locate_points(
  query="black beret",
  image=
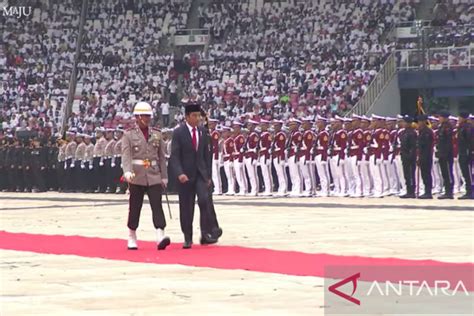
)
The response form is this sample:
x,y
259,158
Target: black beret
x,y
408,119
464,115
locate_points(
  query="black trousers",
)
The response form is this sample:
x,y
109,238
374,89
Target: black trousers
x,y
28,177
409,173
4,178
52,178
39,178
465,165
137,192
425,169
61,173
446,166
69,176
187,193
99,175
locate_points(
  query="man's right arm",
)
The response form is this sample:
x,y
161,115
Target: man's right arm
x,y
175,159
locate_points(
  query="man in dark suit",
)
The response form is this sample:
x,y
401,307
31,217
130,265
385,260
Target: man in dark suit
x,y
189,160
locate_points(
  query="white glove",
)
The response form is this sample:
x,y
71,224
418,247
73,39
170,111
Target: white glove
x,y
101,163
129,176
366,151
436,159
65,166
90,166
254,162
73,165
83,166
112,165
42,168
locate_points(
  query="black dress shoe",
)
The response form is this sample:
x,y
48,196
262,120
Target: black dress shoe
x,y
467,196
165,242
446,197
216,233
207,239
187,244
425,197
408,196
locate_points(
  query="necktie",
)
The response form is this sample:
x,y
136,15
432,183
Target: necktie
x,y
194,139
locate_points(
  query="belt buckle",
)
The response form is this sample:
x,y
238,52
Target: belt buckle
x,y
146,163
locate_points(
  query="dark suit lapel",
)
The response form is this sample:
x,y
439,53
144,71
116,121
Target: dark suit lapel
x,y
187,134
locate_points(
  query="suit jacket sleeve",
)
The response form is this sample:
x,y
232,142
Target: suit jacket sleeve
x,y
208,151
126,154
163,168
175,159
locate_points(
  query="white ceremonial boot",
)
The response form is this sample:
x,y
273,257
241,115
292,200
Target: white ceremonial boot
x,y
132,240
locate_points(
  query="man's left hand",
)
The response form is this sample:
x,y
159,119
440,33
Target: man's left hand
x,y
164,183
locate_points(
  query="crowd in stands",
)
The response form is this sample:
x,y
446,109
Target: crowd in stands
x,y
285,59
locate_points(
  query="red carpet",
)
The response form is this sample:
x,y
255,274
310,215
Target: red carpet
x,y
220,257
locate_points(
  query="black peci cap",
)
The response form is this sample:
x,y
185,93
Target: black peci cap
x,y
192,107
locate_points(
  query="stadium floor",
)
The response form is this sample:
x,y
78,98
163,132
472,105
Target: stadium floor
x,y
60,254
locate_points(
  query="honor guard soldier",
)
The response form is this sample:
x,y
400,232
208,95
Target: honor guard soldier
x,y
337,157
456,168
385,157
71,146
278,157
445,154
12,163
251,157
108,156
228,158
264,158
88,164
53,164
367,180
98,160
437,179
397,161
116,164
321,149
216,143
293,147
304,157
39,164
425,154
408,143
144,168
465,133
356,146
80,167
238,156
350,174
62,164
376,160
393,180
